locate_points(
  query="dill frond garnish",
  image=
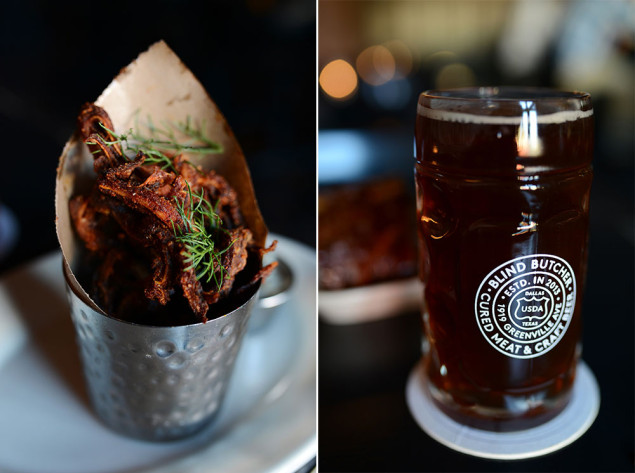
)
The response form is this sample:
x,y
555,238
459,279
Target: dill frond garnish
x,y
199,236
162,143
202,225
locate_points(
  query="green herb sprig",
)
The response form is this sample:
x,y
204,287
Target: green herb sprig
x,y
162,143
201,227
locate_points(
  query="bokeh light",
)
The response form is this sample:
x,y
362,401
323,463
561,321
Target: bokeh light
x,y
338,79
455,75
402,57
376,65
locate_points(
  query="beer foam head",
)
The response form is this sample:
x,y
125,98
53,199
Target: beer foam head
x,y
505,105
465,117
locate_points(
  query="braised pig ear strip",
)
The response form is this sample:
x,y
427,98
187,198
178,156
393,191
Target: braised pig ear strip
x,y
140,198
93,120
178,228
217,189
105,157
88,223
264,272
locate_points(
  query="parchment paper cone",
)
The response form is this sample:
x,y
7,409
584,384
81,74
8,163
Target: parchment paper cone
x,y
159,85
155,383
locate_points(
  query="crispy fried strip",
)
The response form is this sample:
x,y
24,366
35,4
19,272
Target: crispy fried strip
x,y
233,261
126,170
264,273
192,289
160,182
90,120
105,276
105,157
142,199
269,249
216,188
88,223
160,287
146,231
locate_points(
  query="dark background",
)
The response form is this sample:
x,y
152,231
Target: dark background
x,y
255,58
364,422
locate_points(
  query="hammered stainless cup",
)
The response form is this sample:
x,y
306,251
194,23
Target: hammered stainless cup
x,y
156,383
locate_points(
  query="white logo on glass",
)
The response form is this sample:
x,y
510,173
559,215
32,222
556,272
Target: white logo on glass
x,y
524,306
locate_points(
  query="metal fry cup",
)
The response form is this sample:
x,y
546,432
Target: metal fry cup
x,y
156,383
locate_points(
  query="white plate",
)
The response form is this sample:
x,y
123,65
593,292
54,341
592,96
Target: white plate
x,y
267,422
373,302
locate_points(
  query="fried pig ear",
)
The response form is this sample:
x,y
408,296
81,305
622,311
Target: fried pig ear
x,y
93,120
181,226
89,222
157,85
141,198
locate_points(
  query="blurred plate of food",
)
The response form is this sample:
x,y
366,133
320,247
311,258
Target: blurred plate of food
x,y
367,228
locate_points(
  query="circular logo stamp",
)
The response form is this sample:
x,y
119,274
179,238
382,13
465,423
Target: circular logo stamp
x,y
524,306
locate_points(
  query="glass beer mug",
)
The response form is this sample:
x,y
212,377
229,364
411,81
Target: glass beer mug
x,y
503,177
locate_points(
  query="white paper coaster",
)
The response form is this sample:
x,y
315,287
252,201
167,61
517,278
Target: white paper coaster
x,y
558,432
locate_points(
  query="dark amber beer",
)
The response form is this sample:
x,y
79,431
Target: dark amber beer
x,y
503,177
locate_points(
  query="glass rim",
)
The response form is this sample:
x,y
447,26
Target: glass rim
x,y
505,94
